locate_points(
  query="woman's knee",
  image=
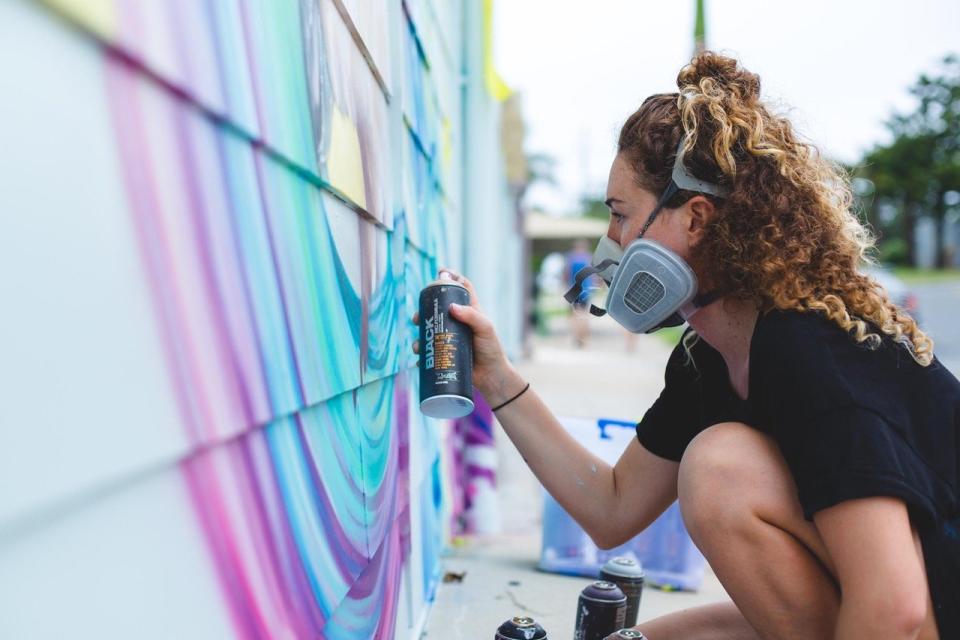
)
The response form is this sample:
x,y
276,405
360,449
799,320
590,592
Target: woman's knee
x,y
721,479
734,485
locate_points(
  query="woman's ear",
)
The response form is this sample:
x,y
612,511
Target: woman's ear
x,y
701,212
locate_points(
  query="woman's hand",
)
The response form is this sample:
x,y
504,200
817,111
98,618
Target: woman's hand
x,y
490,365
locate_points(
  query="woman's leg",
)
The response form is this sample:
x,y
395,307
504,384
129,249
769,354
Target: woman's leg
x,y
739,504
721,621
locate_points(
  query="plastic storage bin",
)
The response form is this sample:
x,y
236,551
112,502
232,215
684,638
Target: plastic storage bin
x,y
668,555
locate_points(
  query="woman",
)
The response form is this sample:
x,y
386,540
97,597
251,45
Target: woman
x,y
805,425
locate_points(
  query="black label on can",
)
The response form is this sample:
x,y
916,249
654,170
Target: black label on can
x,y
601,610
633,589
446,381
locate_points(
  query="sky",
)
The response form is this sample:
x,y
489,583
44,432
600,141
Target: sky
x,y
839,69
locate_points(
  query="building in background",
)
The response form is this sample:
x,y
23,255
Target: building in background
x,y
215,219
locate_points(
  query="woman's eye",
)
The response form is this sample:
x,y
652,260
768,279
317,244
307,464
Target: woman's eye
x,y
616,217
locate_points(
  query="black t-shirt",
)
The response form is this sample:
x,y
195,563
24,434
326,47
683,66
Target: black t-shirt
x,y
851,422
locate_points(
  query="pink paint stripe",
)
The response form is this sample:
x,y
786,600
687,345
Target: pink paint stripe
x,y
305,618
292,569
247,617
249,620
142,199
231,381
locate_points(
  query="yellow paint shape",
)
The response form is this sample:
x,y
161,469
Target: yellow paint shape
x,y
97,16
496,87
345,161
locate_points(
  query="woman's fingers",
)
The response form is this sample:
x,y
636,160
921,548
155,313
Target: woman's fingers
x,y
474,301
472,317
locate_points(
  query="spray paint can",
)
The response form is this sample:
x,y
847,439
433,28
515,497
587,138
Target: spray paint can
x,y
446,354
627,574
600,611
520,628
626,634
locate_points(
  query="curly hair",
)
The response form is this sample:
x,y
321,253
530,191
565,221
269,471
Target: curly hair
x,y
785,236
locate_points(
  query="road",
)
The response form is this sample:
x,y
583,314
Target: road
x,y
940,318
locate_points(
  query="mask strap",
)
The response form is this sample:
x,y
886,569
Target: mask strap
x,y
699,302
597,311
668,193
703,299
573,294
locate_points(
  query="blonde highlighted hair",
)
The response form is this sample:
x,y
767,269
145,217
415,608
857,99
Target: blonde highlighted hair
x,y
785,236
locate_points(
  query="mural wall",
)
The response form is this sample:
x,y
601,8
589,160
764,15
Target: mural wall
x,y
215,219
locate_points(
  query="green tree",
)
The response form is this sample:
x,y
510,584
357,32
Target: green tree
x,y
901,176
916,173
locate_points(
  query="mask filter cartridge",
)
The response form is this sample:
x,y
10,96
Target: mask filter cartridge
x,y
650,285
643,292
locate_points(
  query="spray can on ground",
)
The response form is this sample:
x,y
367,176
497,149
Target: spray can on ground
x,y
520,628
600,611
627,574
626,634
446,351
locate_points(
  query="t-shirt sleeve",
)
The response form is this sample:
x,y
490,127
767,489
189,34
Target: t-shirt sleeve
x,y
819,391
671,422
852,452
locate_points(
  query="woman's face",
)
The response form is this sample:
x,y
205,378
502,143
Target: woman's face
x,y
630,205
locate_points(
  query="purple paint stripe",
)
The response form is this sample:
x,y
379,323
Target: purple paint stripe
x,y
474,437
258,519
254,76
225,351
186,58
259,159
390,594
355,560
401,400
291,566
247,289
474,472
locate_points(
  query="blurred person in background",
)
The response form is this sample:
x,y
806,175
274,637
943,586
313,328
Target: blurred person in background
x,y
579,258
805,424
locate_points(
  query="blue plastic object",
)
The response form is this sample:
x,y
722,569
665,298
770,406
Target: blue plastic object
x,y
668,555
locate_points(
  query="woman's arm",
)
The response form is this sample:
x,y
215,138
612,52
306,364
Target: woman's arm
x,y
612,504
879,566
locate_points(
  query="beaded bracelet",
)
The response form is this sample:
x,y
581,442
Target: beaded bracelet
x,y
502,405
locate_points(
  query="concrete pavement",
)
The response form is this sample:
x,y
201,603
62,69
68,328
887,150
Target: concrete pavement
x,y
606,378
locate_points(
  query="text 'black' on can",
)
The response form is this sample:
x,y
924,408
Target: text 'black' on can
x,y
601,610
520,628
446,351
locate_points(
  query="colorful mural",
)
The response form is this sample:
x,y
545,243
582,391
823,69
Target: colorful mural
x,y
216,218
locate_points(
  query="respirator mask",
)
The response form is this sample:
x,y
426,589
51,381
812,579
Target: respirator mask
x,y
650,286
